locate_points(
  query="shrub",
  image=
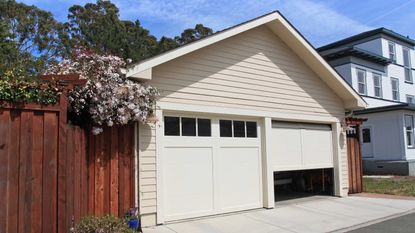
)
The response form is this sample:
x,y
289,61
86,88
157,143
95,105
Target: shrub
x,y
29,91
105,224
109,97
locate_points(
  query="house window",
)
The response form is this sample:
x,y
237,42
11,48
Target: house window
x,y
395,89
366,135
407,65
238,129
377,85
392,51
409,130
410,99
186,126
361,81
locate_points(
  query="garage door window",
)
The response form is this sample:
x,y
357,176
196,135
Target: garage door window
x,y
251,131
190,127
204,128
238,129
172,126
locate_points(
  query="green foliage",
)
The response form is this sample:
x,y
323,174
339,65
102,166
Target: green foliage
x,y
30,38
193,34
105,224
98,27
29,91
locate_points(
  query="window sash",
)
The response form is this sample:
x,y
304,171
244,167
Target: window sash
x,y
361,81
395,88
377,85
392,51
409,130
410,99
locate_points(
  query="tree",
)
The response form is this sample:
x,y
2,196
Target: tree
x,y
193,34
166,44
30,37
97,26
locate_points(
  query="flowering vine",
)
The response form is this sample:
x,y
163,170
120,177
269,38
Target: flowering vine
x,y
108,97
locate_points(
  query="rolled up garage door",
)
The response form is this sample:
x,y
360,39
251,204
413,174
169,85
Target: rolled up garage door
x,y
299,146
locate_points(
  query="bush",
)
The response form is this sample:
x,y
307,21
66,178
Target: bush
x,y
105,224
29,91
108,97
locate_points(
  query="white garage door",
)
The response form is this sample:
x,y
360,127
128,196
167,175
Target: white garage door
x,y
210,166
299,146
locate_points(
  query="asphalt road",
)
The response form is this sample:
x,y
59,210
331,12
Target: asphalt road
x,y
403,224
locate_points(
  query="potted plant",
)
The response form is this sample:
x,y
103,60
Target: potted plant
x,y
132,219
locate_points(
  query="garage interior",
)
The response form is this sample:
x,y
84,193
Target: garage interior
x,y
289,185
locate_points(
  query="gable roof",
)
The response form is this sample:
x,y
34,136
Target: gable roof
x,y
286,32
367,34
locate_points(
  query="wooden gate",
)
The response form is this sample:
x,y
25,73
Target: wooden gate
x,y
354,155
53,173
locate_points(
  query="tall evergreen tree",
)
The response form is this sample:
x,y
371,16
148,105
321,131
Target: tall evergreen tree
x,y
29,38
97,26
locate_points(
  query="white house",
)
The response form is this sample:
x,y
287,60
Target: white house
x,y
380,65
235,108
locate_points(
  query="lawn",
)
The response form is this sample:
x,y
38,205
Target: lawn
x,y
397,185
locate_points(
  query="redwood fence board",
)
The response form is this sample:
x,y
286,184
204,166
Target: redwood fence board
x,y
53,173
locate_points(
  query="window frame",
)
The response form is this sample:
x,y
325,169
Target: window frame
x,y
364,79
408,66
245,128
411,131
180,125
397,89
376,75
393,52
370,134
410,97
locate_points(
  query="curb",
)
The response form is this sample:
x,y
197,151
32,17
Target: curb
x,y
371,222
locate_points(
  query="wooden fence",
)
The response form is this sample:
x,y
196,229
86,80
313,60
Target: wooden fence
x,y
354,156
52,173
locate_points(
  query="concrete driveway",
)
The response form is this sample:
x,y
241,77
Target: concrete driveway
x,y
316,214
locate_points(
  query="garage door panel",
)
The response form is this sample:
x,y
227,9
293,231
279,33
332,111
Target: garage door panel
x,y
188,181
317,149
286,153
298,146
239,181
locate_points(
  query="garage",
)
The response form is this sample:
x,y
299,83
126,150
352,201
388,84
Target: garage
x,y
211,165
302,160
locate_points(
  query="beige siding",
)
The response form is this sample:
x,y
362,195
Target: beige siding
x,y
254,70
147,168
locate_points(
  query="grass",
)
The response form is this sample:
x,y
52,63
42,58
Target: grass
x,y
398,185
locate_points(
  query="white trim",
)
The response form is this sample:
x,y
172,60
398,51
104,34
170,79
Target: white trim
x,y
159,162
136,176
248,113
277,23
267,172
339,139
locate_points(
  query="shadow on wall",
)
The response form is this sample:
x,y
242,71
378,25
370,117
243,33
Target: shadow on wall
x,y
145,134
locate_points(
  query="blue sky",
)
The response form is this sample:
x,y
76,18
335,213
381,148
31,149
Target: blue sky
x,y
320,21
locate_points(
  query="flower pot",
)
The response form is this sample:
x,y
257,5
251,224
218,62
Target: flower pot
x,y
134,224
